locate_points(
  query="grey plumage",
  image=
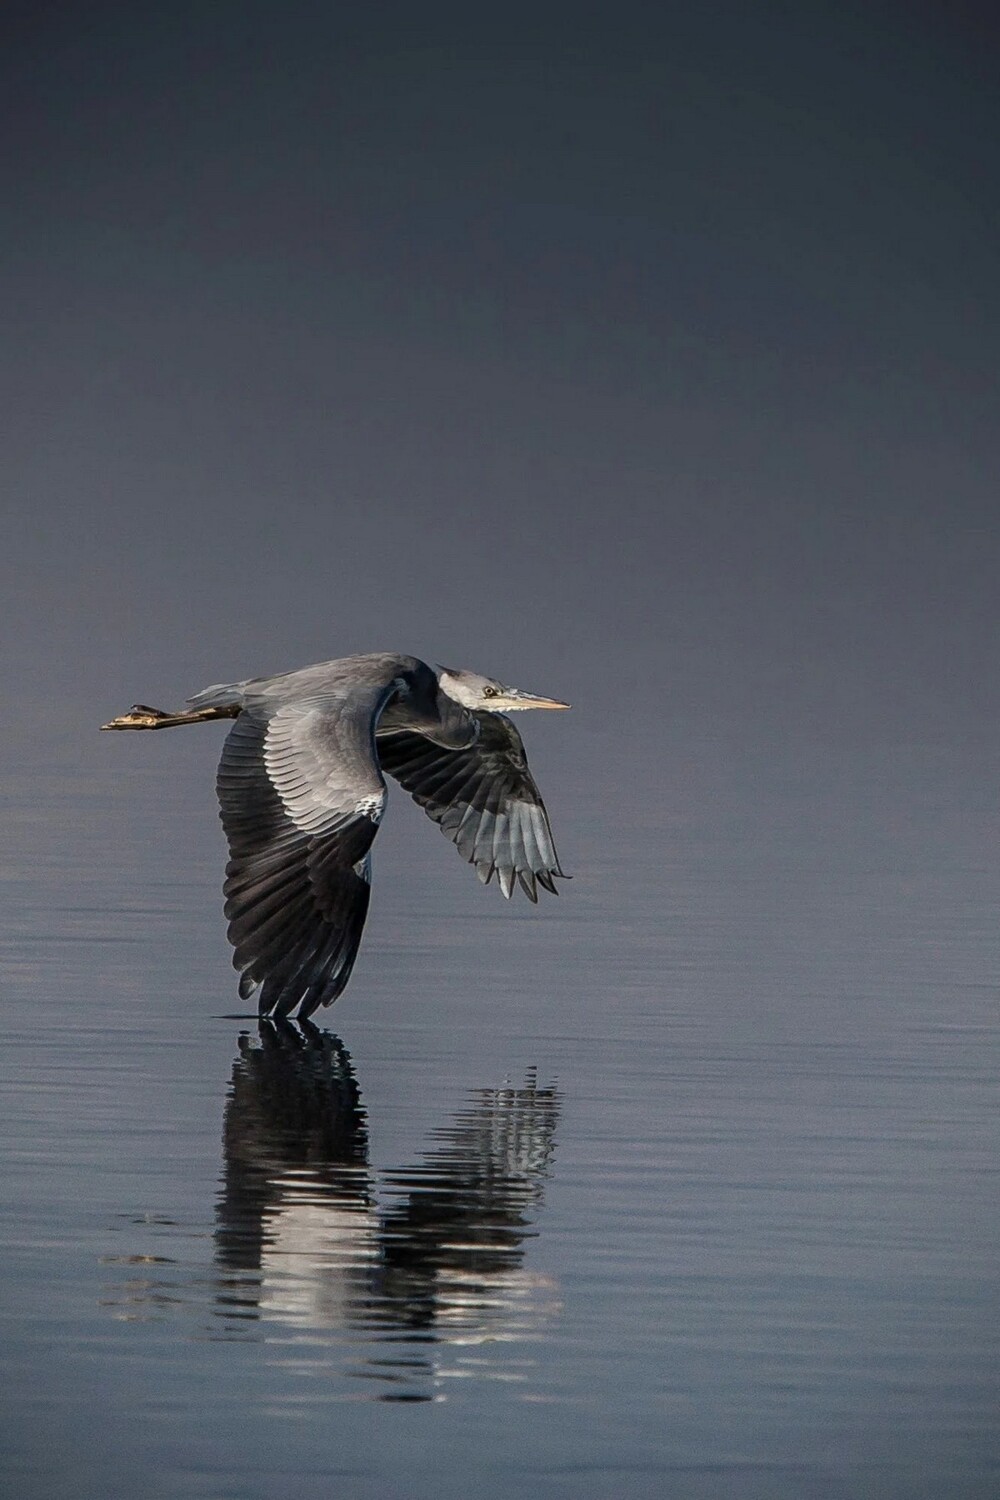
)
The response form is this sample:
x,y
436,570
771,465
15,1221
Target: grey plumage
x,y
484,799
302,791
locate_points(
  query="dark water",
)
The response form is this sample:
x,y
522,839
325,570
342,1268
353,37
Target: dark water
x,y
683,1185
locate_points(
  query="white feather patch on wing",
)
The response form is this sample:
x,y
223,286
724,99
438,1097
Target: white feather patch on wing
x,y
319,771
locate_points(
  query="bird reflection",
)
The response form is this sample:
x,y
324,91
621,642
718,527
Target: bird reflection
x,y
434,1254
296,1183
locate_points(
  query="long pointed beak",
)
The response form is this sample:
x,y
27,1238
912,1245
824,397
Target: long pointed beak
x,y
528,700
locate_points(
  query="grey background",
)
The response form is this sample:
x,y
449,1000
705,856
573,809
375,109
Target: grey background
x,y
647,351
641,356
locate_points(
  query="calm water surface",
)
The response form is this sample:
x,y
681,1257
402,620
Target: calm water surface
x,y
682,1185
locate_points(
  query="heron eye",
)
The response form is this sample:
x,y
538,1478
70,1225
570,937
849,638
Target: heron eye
x,y
490,692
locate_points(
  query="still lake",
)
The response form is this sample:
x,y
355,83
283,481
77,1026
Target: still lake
x,y
681,1185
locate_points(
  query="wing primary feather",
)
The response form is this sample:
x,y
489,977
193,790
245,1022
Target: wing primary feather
x,y
484,800
291,783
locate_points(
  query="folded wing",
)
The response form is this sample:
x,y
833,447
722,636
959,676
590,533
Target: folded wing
x,y
484,799
301,798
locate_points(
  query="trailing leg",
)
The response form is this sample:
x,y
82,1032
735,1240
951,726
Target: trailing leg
x,y
141,716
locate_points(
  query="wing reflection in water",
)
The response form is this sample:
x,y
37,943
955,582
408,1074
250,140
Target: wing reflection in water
x,y
297,1192
434,1256
452,1238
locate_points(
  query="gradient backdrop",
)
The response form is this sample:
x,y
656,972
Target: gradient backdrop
x,y
647,354
641,355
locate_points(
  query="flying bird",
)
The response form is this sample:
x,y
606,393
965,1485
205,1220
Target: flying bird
x,y
301,787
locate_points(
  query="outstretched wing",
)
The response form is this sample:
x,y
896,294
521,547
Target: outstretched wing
x,y
301,798
485,800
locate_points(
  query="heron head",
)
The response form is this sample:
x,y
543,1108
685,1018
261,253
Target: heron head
x,y
479,693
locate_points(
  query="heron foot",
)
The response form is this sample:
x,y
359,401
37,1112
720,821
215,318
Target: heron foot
x,y
141,716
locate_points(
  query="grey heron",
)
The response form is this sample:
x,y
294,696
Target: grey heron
x,y
302,791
